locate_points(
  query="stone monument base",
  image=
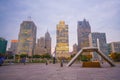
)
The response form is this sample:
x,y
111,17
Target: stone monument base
x,y
94,64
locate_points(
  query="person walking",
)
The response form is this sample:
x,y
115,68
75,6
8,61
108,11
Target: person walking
x,y
24,60
46,62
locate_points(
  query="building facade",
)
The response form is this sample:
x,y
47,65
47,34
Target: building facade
x,y
48,42
27,38
114,47
40,47
62,43
43,45
3,45
98,40
83,30
13,46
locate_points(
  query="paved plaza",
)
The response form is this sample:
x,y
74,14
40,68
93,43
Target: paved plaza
x,y
39,71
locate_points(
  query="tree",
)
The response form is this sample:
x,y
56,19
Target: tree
x,y
36,56
48,56
23,55
115,56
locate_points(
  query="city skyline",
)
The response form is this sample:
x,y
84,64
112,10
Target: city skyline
x,y
103,16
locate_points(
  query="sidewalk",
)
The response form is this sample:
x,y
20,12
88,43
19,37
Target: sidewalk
x,y
38,71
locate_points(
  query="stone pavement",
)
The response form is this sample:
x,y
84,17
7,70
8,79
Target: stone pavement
x,y
38,71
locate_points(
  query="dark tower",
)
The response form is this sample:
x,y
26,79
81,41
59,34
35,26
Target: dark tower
x,y
83,30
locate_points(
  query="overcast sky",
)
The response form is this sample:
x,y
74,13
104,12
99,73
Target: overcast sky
x,y
103,16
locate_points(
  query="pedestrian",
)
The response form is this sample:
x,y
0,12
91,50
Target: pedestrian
x,y
61,63
46,62
53,60
24,60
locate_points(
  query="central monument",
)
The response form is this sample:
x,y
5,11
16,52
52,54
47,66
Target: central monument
x,y
62,43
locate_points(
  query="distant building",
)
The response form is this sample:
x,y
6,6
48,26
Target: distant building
x,y
114,47
48,42
40,47
3,45
27,38
43,45
75,49
83,30
98,40
13,46
62,43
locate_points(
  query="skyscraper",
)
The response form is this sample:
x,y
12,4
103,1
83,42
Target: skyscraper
x,y
13,47
48,42
62,45
98,40
40,47
3,45
43,45
83,30
27,38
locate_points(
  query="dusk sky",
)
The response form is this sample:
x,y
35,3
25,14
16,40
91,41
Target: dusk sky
x,y
103,16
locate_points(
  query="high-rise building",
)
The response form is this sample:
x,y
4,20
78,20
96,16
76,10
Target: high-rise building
x,y
62,43
98,40
43,45
40,47
83,30
48,42
75,49
3,45
114,47
27,38
13,46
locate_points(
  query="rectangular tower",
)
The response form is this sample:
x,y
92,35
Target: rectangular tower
x,y
48,42
83,30
62,46
3,45
27,38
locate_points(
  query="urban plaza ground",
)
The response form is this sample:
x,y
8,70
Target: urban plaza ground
x,y
41,71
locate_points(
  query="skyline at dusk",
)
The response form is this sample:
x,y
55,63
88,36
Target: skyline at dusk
x,y
103,16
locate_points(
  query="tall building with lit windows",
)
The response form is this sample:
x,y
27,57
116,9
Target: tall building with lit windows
x,y
83,30
27,38
62,43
